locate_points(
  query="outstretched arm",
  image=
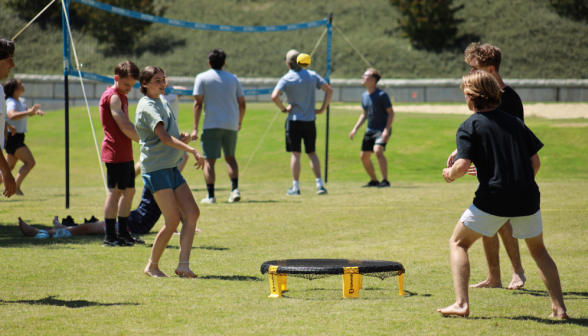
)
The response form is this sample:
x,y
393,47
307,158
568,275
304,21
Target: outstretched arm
x,y
328,94
123,122
13,115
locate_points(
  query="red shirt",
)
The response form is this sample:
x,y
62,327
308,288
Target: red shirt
x,y
116,147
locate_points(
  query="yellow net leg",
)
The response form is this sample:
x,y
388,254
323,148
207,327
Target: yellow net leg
x,y
283,281
275,286
351,285
360,281
401,284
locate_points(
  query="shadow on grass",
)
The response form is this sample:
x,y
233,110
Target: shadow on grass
x,y
205,247
14,200
409,294
53,301
543,293
215,189
230,278
582,322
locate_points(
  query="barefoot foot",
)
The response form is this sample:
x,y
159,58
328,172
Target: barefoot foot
x,y
19,192
456,310
183,271
559,315
27,230
518,281
153,271
488,284
57,224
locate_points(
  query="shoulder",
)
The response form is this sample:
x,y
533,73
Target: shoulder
x,y
382,93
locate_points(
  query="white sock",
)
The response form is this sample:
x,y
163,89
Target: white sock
x,y
319,183
296,185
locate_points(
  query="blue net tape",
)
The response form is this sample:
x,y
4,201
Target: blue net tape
x,y
201,26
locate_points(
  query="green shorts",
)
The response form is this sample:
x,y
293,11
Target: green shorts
x,y
213,139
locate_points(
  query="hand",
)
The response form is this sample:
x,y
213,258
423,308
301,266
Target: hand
x,y
318,111
385,135
195,135
239,127
446,172
12,129
451,158
185,137
289,108
199,160
352,134
41,113
472,171
34,109
9,185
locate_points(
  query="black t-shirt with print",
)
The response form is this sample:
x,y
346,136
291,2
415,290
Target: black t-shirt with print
x,y
501,146
511,103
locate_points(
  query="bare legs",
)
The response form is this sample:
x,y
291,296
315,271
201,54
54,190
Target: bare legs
x,y
382,163
118,202
171,203
463,238
209,169
491,250
86,229
315,165
24,154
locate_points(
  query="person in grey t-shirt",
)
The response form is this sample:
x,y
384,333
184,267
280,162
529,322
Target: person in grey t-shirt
x,y
222,96
300,86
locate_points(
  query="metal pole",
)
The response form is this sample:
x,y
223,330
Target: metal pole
x,y
66,69
328,79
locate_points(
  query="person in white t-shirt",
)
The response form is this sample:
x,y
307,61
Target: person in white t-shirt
x,y
18,113
6,63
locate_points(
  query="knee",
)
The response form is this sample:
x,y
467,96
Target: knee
x,y
379,154
32,163
365,156
538,252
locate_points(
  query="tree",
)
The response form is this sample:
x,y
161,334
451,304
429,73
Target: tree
x,y
116,34
574,9
429,24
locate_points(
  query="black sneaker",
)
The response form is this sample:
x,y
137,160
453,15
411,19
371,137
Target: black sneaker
x,y
371,184
114,242
68,221
91,220
128,239
384,184
138,240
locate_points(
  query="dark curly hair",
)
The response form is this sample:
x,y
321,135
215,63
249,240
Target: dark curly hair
x,y
217,57
486,54
482,89
6,48
9,87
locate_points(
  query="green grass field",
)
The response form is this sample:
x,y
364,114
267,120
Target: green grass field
x,y
75,286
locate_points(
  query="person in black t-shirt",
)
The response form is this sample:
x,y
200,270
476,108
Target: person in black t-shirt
x,y
487,58
504,151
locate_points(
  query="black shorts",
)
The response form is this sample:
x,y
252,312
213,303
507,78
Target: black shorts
x,y
14,142
121,175
372,138
296,131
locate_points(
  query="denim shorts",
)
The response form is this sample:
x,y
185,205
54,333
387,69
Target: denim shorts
x,y
169,178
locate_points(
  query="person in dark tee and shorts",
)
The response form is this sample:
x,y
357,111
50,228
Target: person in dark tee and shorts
x,y
117,153
487,58
300,86
504,152
377,109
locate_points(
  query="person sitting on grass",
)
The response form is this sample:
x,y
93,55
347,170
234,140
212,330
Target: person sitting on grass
x,y
377,109
161,153
18,114
504,151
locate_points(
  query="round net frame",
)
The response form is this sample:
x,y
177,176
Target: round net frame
x,y
312,269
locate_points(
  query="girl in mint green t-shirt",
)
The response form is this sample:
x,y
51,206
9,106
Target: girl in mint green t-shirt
x,y
161,153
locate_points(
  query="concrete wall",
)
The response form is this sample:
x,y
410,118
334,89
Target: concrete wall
x,y
48,90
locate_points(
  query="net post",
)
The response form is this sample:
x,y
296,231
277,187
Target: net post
x,y
351,282
275,282
401,284
328,79
66,70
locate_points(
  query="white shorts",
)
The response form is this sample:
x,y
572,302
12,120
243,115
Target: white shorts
x,y
486,224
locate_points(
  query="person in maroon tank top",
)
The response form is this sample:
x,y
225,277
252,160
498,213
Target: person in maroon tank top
x,y
117,153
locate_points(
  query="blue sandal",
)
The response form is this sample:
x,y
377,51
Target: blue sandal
x,y
62,233
42,234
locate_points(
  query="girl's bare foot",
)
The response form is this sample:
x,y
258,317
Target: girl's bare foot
x,y
559,315
488,283
152,270
19,192
518,281
27,230
456,310
57,224
183,270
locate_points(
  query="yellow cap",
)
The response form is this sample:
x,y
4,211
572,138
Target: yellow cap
x,y
303,60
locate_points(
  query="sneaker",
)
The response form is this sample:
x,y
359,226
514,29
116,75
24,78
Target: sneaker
x,y
114,242
384,184
208,200
91,220
136,240
129,240
68,221
321,191
235,196
371,184
293,192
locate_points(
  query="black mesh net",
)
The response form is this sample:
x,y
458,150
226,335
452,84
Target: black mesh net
x,y
312,269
